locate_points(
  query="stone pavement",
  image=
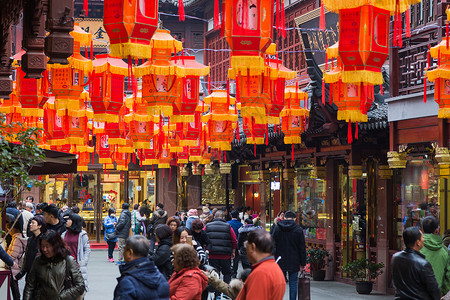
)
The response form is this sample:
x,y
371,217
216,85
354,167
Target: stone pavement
x,y
103,274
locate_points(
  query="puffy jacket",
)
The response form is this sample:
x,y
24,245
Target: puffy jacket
x,y
243,237
218,232
202,239
159,217
46,280
83,253
140,279
124,224
17,251
161,257
437,254
290,245
5,257
108,222
413,277
235,224
31,252
187,284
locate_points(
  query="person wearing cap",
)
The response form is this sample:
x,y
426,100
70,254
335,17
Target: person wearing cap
x,y
52,219
290,247
192,215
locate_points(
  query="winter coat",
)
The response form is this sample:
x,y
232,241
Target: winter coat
x,y
124,224
83,253
437,254
202,239
27,216
290,245
5,257
200,254
108,222
235,224
59,228
412,276
161,257
189,221
231,290
243,237
266,282
140,279
136,218
187,284
219,234
32,250
17,250
46,280
159,217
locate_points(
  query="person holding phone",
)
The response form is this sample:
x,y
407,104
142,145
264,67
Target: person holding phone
x,y
182,236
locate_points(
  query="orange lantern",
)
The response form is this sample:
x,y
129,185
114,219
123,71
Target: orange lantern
x,y
221,120
103,150
130,24
141,126
12,110
190,133
255,132
84,158
54,125
160,73
121,160
76,122
107,87
293,115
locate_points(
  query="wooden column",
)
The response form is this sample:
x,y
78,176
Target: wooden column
x,y
263,176
166,189
98,206
126,185
194,191
330,204
385,224
70,190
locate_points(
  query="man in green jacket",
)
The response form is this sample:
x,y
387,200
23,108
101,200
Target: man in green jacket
x,y
436,253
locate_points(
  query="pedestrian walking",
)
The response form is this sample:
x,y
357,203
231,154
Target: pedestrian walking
x,y
192,215
223,245
235,224
436,253
30,199
188,281
162,254
243,236
55,274
110,222
77,241
137,220
139,278
52,219
173,223
159,217
123,230
37,228
412,274
181,235
199,234
26,215
205,213
266,281
16,251
290,246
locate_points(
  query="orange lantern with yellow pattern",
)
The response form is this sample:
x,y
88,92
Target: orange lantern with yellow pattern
x,y
293,115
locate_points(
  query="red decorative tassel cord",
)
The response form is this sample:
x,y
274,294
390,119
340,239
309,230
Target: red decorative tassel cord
x,y
322,17
209,84
92,50
85,7
216,15
254,149
277,16
323,92
408,23
447,38
349,133
181,15
356,131
381,90
292,152
203,171
283,20
267,134
330,94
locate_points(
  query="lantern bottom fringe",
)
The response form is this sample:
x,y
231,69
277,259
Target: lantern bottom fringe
x,y
105,160
356,77
182,118
142,145
219,99
221,145
165,44
170,70
84,65
149,162
195,158
257,141
82,168
57,142
351,116
10,109
121,168
74,140
106,118
32,112
175,149
336,5
78,113
246,66
300,112
183,161
189,143
438,73
109,166
111,68
98,130
117,141
83,38
134,50
440,48
137,117
274,74
126,149
205,161
166,111
333,51
292,140
163,165
257,112
273,120
220,117
444,113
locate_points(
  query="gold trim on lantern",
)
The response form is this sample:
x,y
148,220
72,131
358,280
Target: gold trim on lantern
x,y
432,75
32,112
351,116
253,140
336,5
292,140
131,49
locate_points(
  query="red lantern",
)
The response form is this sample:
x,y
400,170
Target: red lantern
x,y
76,122
103,149
130,24
84,158
141,126
254,132
54,125
293,115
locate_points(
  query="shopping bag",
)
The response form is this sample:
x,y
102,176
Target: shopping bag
x,y
304,285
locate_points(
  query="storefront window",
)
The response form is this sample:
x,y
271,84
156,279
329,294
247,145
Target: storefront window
x,y
416,196
311,194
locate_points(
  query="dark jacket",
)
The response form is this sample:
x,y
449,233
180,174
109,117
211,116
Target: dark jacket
x,y
159,217
290,245
140,279
413,277
5,257
235,224
30,254
59,228
202,239
124,224
243,237
46,280
218,232
161,257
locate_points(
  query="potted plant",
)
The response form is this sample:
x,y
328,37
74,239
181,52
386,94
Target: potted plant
x,y
363,272
316,259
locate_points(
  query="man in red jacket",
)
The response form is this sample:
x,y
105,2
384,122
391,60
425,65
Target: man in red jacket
x,y
266,281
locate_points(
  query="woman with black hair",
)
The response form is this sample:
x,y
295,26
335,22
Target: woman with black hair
x,y
110,222
37,228
16,250
162,254
55,274
77,241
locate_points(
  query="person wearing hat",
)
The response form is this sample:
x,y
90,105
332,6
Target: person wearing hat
x,y
192,215
162,254
290,247
205,213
